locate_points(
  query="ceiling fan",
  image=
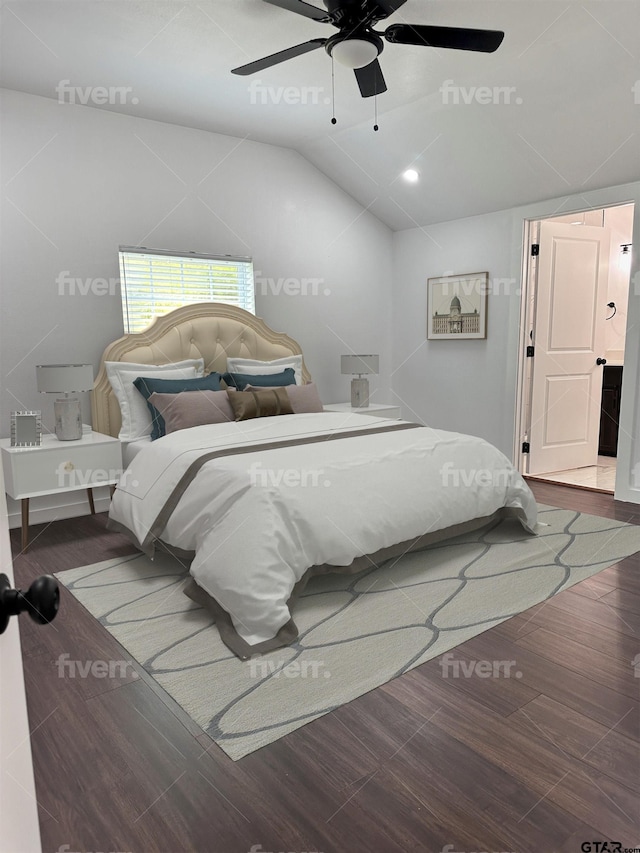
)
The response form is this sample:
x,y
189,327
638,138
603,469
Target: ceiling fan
x,y
357,45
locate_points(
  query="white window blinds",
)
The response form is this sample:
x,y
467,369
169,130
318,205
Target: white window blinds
x,y
156,282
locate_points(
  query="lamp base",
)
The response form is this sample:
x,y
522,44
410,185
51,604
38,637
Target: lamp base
x,y
68,419
359,393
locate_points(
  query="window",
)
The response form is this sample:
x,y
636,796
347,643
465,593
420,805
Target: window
x,y
155,282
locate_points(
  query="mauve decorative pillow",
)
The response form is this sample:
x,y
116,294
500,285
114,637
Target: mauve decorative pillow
x,y
304,398
148,386
192,408
262,403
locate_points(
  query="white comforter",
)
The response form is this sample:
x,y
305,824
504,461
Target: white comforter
x,y
258,521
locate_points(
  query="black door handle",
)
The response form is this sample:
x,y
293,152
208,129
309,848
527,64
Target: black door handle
x,y
601,360
41,600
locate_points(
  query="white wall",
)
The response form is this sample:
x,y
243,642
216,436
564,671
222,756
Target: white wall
x,y
79,182
457,385
470,386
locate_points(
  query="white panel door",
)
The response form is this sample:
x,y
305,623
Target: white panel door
x,y
19,829
569,337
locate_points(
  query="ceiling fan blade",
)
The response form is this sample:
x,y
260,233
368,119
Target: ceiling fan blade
x,y
281,56
485,41
301,8
390,6
370,80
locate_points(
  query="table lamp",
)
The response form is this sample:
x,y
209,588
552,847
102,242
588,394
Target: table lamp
x,y
359,364
65,379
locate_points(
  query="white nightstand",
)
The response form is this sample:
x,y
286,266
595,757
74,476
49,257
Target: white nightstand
x,y
376,410
59,466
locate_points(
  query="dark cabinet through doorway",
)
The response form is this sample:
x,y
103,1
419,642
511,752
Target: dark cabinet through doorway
x,y
610,410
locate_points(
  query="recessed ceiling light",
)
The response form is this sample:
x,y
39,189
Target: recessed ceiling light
x,y
411,175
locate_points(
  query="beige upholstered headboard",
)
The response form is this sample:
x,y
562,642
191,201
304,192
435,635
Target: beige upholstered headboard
x,y
209,330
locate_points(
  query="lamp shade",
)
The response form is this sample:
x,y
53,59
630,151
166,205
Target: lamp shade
x,y
359,364
64,378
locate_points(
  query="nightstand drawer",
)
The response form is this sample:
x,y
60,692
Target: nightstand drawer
x,y
63,467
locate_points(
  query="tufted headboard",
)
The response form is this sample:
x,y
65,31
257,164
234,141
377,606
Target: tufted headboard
x,y
209,330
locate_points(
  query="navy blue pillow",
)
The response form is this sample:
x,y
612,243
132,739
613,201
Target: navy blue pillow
x,y
268,380
149,385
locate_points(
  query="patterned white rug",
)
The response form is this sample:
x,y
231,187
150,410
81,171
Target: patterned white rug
x,y
356,632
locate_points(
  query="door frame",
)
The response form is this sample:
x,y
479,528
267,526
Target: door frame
x,y
524,387
19,822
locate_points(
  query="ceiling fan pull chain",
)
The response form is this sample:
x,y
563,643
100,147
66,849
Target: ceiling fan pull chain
x,y
375,102
334,120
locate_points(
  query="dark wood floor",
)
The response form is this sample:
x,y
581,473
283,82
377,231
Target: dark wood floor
x,y
540,763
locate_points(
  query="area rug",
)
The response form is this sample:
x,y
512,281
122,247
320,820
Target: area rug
x,y
356,632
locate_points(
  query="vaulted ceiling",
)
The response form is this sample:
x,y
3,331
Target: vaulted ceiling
x,y
556,110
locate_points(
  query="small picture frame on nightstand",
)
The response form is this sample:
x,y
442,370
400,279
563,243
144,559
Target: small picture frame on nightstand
x,y
26,429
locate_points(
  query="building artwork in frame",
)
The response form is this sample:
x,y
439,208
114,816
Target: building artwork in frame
x,y
457,306
26,429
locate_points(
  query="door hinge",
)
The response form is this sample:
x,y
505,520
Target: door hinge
x,y
530,351
535,250
525,447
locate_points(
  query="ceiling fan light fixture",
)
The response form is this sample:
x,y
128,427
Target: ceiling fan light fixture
x,y
355,52
412,176
357,45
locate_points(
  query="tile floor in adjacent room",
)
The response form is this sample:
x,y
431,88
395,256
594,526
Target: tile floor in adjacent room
x,y
601,476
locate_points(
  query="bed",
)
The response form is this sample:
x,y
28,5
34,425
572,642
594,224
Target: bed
x,y
260,505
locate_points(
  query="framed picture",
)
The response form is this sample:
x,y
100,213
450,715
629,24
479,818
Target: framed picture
x,y
26,429
457,306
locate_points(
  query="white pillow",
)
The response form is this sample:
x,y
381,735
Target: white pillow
x,y
264,368
136,417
